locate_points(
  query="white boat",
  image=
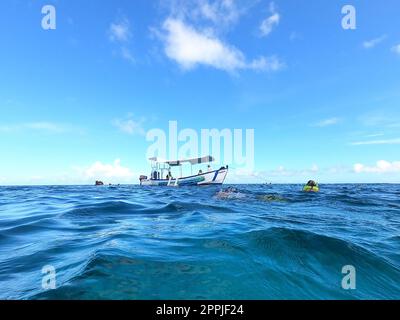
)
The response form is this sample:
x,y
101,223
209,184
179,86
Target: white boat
x,y
161,173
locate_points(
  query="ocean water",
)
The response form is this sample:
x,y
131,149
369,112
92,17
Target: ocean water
x,y
252,242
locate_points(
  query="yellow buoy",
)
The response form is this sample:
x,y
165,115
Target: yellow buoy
x,y
311,188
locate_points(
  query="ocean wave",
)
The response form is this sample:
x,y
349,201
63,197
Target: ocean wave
x,y
297,258
185,243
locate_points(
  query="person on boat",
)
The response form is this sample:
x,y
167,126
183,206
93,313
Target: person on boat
x,y
209,169
200,171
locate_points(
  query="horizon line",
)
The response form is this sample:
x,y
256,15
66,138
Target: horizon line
x,y
137,184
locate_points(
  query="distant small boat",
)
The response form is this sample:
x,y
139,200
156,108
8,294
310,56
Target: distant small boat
x,y
161,173
99,183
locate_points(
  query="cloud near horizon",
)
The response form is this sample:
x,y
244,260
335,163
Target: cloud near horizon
x,y
376,142
382,166
240,175
109,172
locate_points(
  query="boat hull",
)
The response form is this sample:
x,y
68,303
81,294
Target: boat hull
x,y
215,177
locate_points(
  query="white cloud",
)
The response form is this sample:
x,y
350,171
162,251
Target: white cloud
x,y
240,175
282,171
380,119
381,166
372,142
374,135
271,63
220,14
46,126
130,125
190,47
109,172
327,122
270,22
120,31
220,11
396,49
373,42
127,55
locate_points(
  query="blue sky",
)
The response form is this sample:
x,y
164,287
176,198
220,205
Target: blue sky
x,y
76,102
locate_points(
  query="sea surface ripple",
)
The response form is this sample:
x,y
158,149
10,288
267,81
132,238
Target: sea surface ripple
x,y
247,242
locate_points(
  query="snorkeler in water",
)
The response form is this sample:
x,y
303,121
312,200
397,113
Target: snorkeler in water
x,y
311,186
311,183
230,193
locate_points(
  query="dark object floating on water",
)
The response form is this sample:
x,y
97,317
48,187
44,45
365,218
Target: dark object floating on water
x,y
271,198
113,186
99,183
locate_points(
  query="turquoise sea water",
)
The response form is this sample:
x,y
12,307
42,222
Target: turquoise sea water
x,y
253,242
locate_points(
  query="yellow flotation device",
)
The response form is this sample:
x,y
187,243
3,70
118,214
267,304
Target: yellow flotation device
x,y
311,188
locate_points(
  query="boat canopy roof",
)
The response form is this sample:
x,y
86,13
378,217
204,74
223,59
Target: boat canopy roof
x,y
192,161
